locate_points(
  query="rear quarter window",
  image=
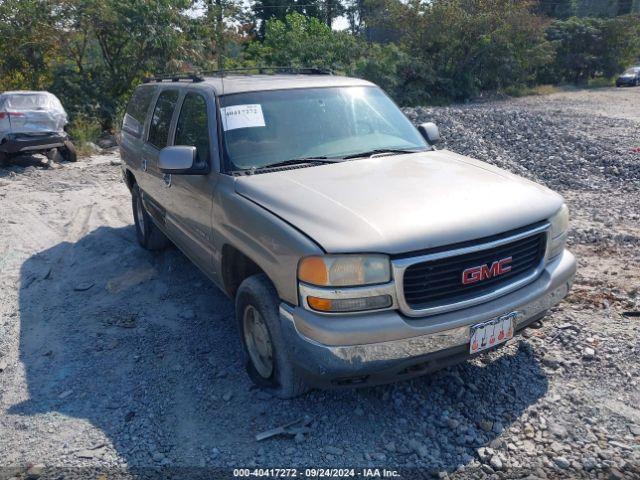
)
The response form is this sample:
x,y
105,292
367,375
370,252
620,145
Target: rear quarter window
x,y
137,109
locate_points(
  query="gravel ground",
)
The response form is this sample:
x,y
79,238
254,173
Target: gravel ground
x,y
116,360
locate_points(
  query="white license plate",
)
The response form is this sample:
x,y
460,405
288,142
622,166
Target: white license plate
x,y
494,332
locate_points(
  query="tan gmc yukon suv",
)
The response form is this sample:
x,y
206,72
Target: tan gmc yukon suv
x,y
356,251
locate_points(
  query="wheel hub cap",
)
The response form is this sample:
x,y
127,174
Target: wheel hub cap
x,y
258,341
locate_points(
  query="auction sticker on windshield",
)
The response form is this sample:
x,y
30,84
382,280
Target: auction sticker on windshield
x,y
242,116
494,332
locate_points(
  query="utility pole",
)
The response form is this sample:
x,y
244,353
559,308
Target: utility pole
x,y
329,13
220,34
215,13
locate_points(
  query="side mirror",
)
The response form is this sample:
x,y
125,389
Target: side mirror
x,y
177,159
430,132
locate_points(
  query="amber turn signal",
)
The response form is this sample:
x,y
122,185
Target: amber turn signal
x,y
320,304
313,270
342,305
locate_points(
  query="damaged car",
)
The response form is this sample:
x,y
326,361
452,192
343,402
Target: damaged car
x,y
357,252
33,122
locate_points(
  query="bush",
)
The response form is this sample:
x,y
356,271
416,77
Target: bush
x,y
83,131
587,48
301,41
460,48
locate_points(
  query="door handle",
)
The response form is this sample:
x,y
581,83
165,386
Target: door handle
x,y
167,179
145,164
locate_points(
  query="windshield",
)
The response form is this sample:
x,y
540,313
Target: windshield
x,y
267,127
631,71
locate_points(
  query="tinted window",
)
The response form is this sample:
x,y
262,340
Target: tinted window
x,y
193,127
161,119
137,108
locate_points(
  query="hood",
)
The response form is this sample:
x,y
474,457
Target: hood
x,y
400,203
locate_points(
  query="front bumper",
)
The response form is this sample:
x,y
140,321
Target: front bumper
x,y
29,142
386,346
625,81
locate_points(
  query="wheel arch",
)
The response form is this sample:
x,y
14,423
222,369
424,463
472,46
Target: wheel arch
x,y
235,268
129,179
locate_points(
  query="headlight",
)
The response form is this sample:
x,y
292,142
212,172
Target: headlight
x,y
558,234
344,270
346,283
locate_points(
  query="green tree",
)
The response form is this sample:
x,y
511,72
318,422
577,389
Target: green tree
x,y
26,44
556,8
266,10
460,48
301,41
220,32
111,45
590,47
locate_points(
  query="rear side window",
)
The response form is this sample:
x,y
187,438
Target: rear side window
x,y
133,121
161,119
193,127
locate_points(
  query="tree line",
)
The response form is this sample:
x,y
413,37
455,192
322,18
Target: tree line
x,y
92,53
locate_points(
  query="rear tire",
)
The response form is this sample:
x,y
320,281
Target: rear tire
x,y
68,152
268,367
149,235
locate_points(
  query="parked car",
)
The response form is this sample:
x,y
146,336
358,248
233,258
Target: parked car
x,y
630,77
33,122
357,253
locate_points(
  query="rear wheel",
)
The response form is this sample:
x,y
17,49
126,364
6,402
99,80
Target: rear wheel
x,y
68,152
148,234
263,344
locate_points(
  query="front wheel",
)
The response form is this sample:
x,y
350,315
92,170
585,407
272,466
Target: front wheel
x,y
149,235
263,344
68,152
4,159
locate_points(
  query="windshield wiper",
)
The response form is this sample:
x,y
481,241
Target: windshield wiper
x,y
295,161
375,151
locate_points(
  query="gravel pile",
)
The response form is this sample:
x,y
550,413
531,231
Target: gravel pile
x,y
552,147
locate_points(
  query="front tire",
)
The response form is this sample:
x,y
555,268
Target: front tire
x,y
68,152
263,344
4,159
149,235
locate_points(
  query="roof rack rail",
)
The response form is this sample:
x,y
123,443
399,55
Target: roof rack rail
x,y
174,77
263,70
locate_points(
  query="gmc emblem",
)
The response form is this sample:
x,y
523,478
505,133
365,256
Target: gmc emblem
x,y
483,272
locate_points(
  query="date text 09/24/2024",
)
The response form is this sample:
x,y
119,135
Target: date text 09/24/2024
x,y
316,472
